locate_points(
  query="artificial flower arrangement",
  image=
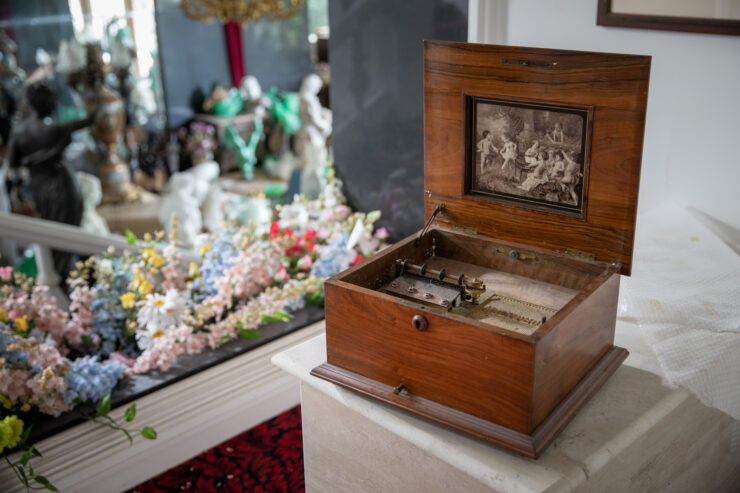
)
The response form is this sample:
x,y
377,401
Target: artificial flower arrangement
x,y
199,140
138,312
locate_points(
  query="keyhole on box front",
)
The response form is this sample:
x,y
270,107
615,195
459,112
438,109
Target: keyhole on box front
x,y
419,323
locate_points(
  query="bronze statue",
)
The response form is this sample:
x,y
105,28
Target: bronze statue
x,y
109,127
37,144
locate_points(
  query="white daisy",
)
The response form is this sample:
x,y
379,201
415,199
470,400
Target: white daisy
x,y
145,337
159,312
293,215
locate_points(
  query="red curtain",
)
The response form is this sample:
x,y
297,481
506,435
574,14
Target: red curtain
x,y
236,53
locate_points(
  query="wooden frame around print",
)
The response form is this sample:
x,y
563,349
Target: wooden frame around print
x,y
530,129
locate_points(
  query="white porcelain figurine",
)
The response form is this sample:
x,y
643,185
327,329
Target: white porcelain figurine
x,y
196,199
92,194
208,193
179,200
316,125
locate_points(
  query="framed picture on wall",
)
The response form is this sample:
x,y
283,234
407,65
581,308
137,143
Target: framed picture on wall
x,y
705,16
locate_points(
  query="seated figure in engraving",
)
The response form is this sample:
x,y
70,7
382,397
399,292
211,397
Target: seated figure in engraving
x,y
571,177
539,175
557,169
531,156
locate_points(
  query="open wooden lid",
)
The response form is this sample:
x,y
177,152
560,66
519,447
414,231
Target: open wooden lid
x,y
576,190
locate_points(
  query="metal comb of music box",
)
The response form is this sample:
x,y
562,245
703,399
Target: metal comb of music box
x,y
497,319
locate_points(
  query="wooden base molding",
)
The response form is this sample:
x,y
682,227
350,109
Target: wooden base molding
x,y
521,443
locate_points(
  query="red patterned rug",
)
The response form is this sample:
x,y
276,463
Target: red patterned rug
x,y
266,459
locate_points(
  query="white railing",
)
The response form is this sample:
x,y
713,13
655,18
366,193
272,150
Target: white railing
x,y
65,237
45,235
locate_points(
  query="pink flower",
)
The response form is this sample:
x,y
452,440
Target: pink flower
x,y
54,406
182,332
6,272
122,358
173,274
282,274
305,262
381,233
13,383
144,362
194,345
44,355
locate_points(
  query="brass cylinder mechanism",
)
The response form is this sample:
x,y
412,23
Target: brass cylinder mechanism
x,y
436,286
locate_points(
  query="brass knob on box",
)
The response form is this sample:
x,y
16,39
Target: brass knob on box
x,y
419,323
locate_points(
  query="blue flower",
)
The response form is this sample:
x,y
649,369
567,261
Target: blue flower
x,y
108,316
334,258
215,262
108,320
89,380
12,358
296,304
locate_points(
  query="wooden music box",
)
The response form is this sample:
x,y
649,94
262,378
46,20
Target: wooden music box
x,y
497,319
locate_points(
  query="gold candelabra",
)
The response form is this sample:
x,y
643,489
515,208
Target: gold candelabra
x,y
240,11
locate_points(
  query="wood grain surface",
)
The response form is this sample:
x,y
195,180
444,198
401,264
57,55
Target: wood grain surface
x,y
479,372
582,332
514,379
614,86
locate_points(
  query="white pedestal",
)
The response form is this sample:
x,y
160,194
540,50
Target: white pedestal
x,y
635,435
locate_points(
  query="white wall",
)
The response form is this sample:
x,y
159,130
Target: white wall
x,y
692,137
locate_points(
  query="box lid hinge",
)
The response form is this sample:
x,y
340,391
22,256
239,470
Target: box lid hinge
x,y
580,255
464,229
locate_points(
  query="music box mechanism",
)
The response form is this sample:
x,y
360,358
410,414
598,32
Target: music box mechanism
x,y
441,283
435,286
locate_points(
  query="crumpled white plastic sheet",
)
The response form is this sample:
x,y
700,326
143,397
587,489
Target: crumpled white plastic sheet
x,y
684,294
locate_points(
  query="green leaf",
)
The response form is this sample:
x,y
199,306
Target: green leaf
x,y
22,473
130,237
277,317
239,325
30,471
149,433
316,298
45,483
35,452
87,341
223,340
26,456
24,436
372,217
103,405
130,413
249,334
